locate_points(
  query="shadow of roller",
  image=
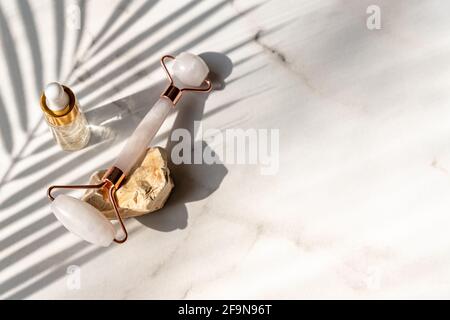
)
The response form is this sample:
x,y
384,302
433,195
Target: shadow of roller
x,y
193,182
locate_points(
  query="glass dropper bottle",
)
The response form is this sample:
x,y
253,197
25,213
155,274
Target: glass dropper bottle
x,y
64,117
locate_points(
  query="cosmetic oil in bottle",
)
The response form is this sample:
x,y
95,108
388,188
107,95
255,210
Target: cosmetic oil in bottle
x,y
63,115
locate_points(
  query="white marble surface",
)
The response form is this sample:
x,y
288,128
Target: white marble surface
x,y
359,207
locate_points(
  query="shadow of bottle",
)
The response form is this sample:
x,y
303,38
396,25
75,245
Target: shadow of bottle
x,y
115,121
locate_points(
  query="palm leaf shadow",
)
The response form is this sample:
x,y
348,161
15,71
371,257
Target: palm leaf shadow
x,y
64,255
155,47
5,127
13,66
115,15
143,71
33,42
130,44
118,11
140,12
59,14
79,36
57,273
80,33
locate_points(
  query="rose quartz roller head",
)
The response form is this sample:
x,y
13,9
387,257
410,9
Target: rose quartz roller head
x,y
86,221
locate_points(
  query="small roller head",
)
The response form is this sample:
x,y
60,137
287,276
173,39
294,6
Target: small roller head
x,y
190,69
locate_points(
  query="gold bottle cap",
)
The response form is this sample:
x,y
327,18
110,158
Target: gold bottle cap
x,y
64,116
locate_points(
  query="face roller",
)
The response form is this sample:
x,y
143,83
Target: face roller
x,y
86,221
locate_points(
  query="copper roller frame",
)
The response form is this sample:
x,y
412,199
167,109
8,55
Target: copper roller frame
x,y
174,93
111,181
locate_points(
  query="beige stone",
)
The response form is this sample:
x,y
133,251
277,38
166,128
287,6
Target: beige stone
x,y
145,190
